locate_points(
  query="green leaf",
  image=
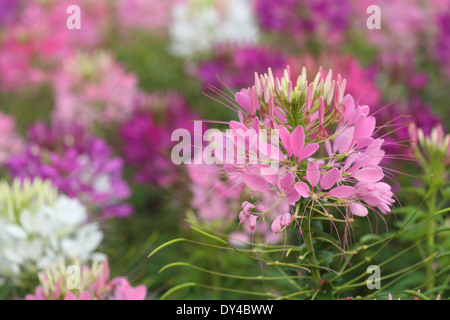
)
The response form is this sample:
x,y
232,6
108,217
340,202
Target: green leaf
x,y
370,238
325,257
421,192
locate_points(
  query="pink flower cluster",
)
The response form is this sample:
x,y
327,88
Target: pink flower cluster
x,y
303,146
36,41
92,284
95,89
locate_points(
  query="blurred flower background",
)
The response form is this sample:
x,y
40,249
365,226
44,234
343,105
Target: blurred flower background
x,y
87,115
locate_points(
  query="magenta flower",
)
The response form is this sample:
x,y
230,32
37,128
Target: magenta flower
x,y
79,164
442,48
8,11
326,20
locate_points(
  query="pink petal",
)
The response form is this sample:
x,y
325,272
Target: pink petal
x,y
365,110
330,178
358,209
244,100
70,296
84,296
363,142
252,220
364,126
269,176
255,182
286,219
313,173
280,222
270,151
369,174
328,148
297,140
303,189
341,192
308,151
287,181
343,142
321,111
348,105
292,196
234,125
140,292
276,225
285,137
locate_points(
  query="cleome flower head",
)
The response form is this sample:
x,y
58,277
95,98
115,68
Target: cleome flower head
x,y
39,226
303,147
81,282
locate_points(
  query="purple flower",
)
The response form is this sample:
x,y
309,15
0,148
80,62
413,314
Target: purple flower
x,y
235,66
79,164
442,52
146,136
281,16
327,19
8,9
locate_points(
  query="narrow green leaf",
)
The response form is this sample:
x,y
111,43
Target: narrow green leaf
x,y
165,245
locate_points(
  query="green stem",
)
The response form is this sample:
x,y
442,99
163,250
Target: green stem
x,y
431,203
309,246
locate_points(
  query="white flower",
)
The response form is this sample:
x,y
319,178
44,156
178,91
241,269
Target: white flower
x,y
40,233
198,25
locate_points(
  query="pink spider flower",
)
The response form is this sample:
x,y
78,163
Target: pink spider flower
x,y
303,144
